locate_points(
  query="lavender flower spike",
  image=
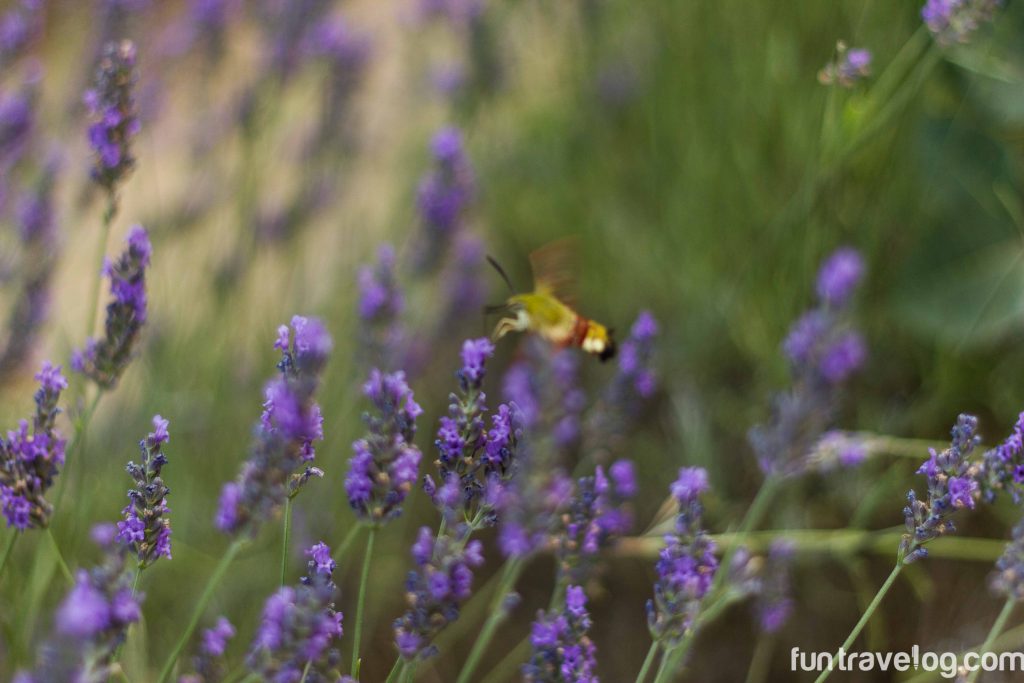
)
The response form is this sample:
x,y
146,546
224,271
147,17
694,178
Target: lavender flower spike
x,y
30,462
104,360
952,485
300,627
384,464
443,197
210,665
441,582
111,103
146,530
91,621
687,564
953,21
562,650
848,67
1002,468
380,308
283,439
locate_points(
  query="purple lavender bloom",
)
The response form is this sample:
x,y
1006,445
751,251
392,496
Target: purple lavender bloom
x,y
953,21
209,663
598,513
385,463
345,54
838,449
951,486
36,227
848,67
380,309
1008,579
775,603
285,23
300,627
686,567
278,465
215,639
146,530
17,122
840,274
90,623
435,590
628,392
1002,467
824,353
443,196
30,460
561,647
475,463
111,104
19,26
104,360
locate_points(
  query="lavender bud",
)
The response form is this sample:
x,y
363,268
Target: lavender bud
x,y
561,647
848,67
146,529
953,21
111,104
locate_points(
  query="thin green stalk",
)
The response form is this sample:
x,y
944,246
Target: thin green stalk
x,y
867,614
395,671
305,671
509,576
8,548
135,588
760,662
993,633
60,558
101,250
652,653
756,511
513,660
350,536
286,538
197,613
361,601
673,658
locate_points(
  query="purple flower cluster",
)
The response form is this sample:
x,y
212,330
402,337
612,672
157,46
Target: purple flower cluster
x,y
104,360
1002,467
953,21
474,461
91,621
1008,578
824,352
111,103
385,463
146,530
627,393
30,460
598,513
18,27
380,308
300,627
285,24
441,582
209,663
775,604
686,566
36,228
17,123
561,649
443,196
283,444
952,486
848,67
345,54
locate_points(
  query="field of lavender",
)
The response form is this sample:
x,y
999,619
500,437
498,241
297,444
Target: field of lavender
x,y
257,426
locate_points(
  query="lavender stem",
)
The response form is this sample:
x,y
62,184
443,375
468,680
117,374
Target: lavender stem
x,y
361,601
997,628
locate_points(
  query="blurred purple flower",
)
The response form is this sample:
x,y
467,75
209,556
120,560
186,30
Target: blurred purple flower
x,y
111,104
561,647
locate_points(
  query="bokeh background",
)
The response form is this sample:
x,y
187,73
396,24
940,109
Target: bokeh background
x,y
683,143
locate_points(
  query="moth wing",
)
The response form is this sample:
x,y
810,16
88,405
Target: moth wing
x,y
556,269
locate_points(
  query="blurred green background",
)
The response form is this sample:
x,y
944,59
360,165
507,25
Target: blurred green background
x,y
691,148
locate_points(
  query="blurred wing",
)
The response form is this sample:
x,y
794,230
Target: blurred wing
x,y
556,269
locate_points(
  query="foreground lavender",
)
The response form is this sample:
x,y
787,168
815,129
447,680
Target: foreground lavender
x,y
104,360
146,529
31,459
562,649
283,444
91,622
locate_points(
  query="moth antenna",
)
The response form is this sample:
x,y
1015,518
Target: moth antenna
x,y
502,273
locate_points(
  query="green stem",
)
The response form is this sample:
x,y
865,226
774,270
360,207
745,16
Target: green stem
x,y
7,551
75,448
361,601
101,250
286,538
498,614
751,519
867,614
350,536
994,632
60,558
762,659
197,613
305,671
395,671
652,653
135,588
